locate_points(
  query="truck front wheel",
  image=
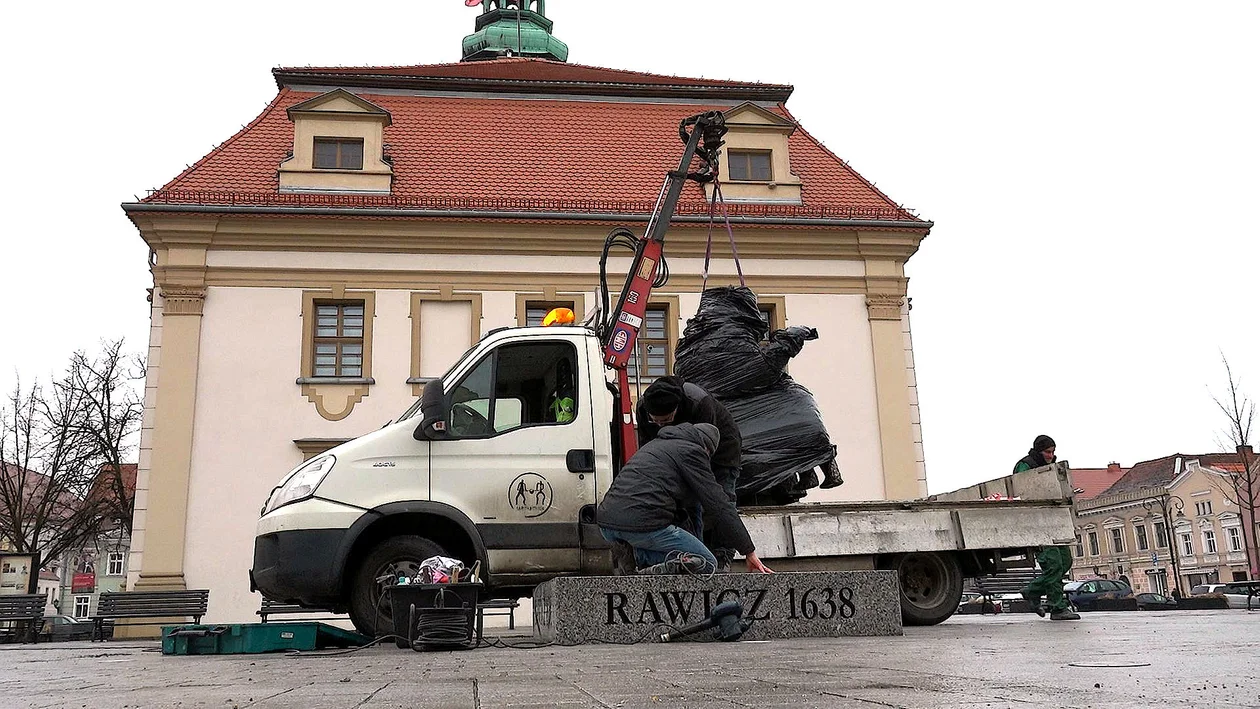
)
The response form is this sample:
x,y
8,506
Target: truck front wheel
x,y
393,557
931,586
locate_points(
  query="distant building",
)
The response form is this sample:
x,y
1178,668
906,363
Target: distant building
x,y
100,564
1128,530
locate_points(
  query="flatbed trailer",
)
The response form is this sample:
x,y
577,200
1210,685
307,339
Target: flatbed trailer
x,y
933,542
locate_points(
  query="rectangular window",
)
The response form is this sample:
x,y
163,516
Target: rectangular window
x,y
338,349
1187,544
1093,544
1117,541
1234,534
536,310
1161,536
1139,532
339,153
1204,508
1209,541
652,347
81,606
1080,548
750,165
115,567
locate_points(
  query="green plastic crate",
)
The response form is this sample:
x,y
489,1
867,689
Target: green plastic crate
x,y
254,638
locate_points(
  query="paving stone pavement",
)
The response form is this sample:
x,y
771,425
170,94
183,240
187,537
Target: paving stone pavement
x,y
1185,659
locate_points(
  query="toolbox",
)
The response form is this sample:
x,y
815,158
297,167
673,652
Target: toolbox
x,y
253,638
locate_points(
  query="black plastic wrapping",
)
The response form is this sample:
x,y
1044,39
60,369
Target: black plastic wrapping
x,y
724,351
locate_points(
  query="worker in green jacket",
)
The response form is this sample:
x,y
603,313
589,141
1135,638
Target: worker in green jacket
x,y
1055,562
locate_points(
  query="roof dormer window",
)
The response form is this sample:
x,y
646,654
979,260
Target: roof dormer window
x,y
338,154
338,146
750,166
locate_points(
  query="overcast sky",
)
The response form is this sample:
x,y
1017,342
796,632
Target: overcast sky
x,y
1091,168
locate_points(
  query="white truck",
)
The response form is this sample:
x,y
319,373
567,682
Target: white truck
x,y
479,469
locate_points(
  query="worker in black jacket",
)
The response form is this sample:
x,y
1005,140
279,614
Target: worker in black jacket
x,y
639,508
670,400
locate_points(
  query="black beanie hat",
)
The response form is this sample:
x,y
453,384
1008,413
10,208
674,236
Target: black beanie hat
x,y
1042,443
662,397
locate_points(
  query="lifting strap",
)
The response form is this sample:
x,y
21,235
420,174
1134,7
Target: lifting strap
x,y
708,248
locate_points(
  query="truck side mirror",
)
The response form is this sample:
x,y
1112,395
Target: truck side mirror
x,y
433,413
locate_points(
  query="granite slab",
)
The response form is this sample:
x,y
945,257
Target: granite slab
x,y
626,609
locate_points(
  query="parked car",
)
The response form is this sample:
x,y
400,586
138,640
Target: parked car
x,y
64,627
1084,595
1234,593
1155,602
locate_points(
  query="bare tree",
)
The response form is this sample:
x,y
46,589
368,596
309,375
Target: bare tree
x,y
112,411
1241,486
61,456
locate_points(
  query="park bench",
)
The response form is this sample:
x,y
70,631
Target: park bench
x,y
26,611
149,604
270,607
498,606
1000,584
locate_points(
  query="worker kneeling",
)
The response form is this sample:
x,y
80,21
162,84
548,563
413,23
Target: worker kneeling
x,y
639,508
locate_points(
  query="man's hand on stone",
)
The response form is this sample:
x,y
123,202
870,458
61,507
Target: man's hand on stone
x,y
755,566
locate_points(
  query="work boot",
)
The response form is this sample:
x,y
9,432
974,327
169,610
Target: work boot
x,y
1064,614
623,559
831,475
689,564
1034,602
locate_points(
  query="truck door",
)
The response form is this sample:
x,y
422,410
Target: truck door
x,y
519,460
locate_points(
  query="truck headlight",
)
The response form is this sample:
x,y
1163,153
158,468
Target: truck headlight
x,y
301,484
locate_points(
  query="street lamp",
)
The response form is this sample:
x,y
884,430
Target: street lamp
x,y
1164,501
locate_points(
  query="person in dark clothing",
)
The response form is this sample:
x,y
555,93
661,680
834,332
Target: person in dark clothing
x,y
1055,561
670,400
639,507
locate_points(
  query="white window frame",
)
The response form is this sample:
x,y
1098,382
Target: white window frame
x,y
1209,541
1234,536
1187,543
86,605
1160,527
1093,544
1142,541
116,560
1117,540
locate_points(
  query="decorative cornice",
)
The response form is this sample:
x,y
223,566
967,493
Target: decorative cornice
x,y
885,306
183,300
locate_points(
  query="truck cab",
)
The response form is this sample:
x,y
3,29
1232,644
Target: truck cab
x,y
502,462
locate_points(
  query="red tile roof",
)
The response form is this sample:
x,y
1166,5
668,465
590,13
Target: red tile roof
x,y
571,156
1092,482
1161,471
455,150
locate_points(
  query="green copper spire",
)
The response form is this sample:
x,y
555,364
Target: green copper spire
x,y
517,28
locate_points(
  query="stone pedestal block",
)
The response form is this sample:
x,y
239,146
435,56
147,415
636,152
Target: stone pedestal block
x,y
576,610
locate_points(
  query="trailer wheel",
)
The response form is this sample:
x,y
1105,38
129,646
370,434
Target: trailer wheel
x,y
369,608
931,586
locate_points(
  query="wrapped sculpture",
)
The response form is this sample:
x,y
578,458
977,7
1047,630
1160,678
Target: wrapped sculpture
x,y
725,350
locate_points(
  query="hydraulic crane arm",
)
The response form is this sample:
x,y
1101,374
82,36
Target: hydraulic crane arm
x,y
619,330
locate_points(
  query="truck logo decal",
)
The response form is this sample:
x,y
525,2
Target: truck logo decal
x,y
620,338
632,320
530,493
